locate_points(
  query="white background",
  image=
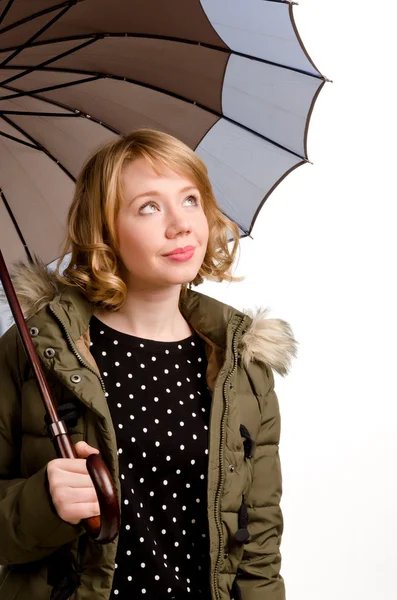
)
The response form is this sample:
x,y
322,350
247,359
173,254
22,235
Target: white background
x,y
323,259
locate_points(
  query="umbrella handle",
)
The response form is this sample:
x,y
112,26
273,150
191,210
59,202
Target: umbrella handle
x,y
104,527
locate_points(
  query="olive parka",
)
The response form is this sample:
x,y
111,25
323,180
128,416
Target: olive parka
x,y
244,476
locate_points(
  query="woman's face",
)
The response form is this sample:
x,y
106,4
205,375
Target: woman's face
x,y
160,214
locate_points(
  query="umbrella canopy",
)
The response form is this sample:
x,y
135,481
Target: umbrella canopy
x,y
230,78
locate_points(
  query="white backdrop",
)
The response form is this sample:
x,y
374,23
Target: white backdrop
x,y
322,258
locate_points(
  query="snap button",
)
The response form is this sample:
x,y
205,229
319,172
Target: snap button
x,y
231,468
243,536
75,379
33,331
49,353
225,555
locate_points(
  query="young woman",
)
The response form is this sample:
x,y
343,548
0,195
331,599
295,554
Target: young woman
x,y
174,389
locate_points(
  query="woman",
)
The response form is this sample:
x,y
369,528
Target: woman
x,y
173,388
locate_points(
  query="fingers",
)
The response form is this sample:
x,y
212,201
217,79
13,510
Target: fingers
x,y
83,449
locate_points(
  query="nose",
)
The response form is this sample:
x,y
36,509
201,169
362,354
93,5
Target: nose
x,y
178,224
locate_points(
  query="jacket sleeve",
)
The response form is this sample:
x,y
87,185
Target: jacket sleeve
x,y
30,528
258,577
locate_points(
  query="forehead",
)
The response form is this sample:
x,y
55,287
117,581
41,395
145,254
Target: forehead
x,y
139,176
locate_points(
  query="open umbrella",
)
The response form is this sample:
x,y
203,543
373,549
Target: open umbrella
x,y
231,78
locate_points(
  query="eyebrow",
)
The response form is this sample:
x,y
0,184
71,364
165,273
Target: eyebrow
x,y
156,193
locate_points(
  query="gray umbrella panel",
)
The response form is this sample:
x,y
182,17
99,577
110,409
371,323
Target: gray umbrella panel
x,y
246,118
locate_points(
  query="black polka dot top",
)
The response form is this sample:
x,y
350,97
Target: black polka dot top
x,y
160,406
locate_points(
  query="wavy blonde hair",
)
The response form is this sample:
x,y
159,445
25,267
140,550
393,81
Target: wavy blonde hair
x,y
95,265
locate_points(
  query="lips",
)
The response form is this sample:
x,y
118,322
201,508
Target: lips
x,y
186,249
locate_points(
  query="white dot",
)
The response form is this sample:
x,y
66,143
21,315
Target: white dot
x,y
187,378
191,396
166,371
176,366
192,462
168,458
131,396
132,439
199,359
193,520
144,454
132,417
176,544
163,531
167,351
106,394
143,387
156,421
130,375
154,358
157,444
156,577
164,507
180,402
156,399
174,519
142,366
143,565
178,383
116,364
130,465
129,578
154,378
192,343
201,476
151,518
188,485
118,404
206,452
194,415
182,447
122,476
197,500
165,482
174,495
168,391
128,526
144,430
151,493
141,345
198,374
169,433
103,353
180,347
183,507
116,592
115,342
141,480
169,411
118,384
129,552
141,539
194,436
105,373
120,426
169,589
188,556
203,535
178,471
101,332
128,353
181,423
143,407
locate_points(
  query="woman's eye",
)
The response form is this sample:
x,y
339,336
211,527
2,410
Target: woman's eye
x,y
193,199
150,206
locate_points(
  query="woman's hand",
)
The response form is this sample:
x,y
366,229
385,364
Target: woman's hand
x,y
71,488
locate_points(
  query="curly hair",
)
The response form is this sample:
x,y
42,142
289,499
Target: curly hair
x,y
95,264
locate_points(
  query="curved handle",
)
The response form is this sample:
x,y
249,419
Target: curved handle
x,y
103,528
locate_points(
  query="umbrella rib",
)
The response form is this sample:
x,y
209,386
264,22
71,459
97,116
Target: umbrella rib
x,y
168,93
15,223
49,88
64,106
226,50
15,139
51,60
38,14
39,147
5,11
35,35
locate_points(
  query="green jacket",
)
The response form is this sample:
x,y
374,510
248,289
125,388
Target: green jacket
x,y
242,350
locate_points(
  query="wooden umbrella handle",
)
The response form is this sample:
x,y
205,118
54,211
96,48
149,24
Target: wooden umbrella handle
x,y
105,527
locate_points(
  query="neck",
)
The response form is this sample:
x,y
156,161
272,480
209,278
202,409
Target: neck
x,y
152,315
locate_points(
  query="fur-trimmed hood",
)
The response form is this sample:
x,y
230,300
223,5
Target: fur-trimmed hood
x,y
270,341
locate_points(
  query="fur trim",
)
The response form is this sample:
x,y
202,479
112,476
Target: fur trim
x,y
269,341
35,286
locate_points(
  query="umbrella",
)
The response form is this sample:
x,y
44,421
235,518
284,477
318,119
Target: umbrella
x,y
231,78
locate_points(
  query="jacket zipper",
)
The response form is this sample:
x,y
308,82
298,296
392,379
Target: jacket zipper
x,y
74,350
221,450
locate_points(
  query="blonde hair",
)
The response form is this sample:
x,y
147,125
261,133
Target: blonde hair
x,y
95,264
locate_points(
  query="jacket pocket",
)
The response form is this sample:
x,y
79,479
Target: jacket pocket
x,y
235,592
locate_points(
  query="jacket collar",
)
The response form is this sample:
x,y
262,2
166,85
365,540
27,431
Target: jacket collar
x,y
264,340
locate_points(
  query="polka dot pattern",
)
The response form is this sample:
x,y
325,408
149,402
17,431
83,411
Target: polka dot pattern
x,y
160,407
